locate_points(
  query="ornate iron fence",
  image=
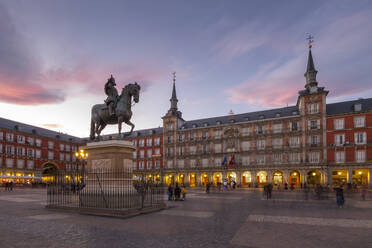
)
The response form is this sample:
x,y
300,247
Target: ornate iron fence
x,y
102,189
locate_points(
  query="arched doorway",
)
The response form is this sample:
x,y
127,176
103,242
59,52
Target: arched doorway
x,y
231,176
360,176
246,179
157,179
314,177
192,179
49,173
278,178
204,178
261,178
217,178
181,179
339,177
295,178
169,179
149,178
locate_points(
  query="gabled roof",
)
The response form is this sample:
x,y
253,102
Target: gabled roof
x,y
29,129
349,106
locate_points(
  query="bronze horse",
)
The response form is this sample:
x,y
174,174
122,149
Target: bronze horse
x,y
101,118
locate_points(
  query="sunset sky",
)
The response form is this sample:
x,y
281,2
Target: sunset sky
x,y
55,56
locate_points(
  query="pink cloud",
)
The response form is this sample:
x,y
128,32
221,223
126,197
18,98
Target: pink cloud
x,y
51,125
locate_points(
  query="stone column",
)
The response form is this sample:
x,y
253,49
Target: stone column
x,y
254,177
350,175
370,178
269,176
238,177
330,180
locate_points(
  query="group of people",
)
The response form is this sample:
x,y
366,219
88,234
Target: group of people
x,y
176,193
9,186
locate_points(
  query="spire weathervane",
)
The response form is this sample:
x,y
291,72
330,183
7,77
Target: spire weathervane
x,y
174,77
310,40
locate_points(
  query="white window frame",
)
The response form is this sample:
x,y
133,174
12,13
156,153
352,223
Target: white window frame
x,y
339,124
359,121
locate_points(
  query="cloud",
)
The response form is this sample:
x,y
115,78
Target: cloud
x,y
53,126
342,55
24,80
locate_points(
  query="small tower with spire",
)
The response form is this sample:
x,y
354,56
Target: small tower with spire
x,y
174,99
310,73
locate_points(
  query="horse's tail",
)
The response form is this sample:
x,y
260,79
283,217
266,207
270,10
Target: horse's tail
x,y
92,128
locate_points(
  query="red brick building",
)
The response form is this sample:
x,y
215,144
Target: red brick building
x,y
29,153
349,141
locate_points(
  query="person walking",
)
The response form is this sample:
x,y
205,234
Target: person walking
x,y
340,200
184,191
170,192
177,192
266,191
207,187
269,190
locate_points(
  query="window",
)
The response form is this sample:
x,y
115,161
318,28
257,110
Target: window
x,y
9,137
314,124
204,162
261,144
192,150
74,148
245,145
134,143
294,157
157,164
360,138
314,157
142,153
359,121
294,141
246,160
157,151
245,131
277,158
50,155
181,150
260,159
340,157
277,128
170,151
1,150
141,143
38,153
30,164
204,148
339,139
38,142
360,155
170,164
339,124
135,155
313,108
358,107
149,142
149,153
217,148
260,129
50,144
21,151
217,134
181,137
68,158
1,135
217,162
61,156
277,143
170,126
141,165
204,134
30,152
181,163
20,163
67,148
294,125
169,139
149,165
20,139
157,141
30,140
9,150
192,163
134,165
314,140
61,147
192,136
9,162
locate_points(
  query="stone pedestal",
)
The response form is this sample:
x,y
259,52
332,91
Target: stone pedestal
x,y
108,177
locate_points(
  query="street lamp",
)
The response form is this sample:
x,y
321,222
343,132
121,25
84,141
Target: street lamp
x,y
81,157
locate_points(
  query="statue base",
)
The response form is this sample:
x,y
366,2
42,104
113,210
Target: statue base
x,y
108,181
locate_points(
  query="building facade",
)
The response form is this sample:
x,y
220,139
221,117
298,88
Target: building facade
x,y
293,145
29,154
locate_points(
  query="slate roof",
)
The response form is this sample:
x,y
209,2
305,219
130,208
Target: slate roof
x,y
29,129
252,116
138,133
348,107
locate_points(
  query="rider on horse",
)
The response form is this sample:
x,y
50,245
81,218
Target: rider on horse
x,y
112,95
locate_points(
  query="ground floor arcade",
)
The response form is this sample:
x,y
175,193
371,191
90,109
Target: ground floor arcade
x,y
252,177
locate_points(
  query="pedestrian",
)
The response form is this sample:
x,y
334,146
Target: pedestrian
x,y
177,192
6,186
207,187
224,185
364,192
340,200
11,186
184,191
266,191
170,192
269,190
285,185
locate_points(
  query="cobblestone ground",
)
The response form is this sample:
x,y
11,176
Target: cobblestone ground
x,y
239,218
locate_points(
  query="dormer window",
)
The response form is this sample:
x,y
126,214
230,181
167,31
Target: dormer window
x,y
232,121
294,113
218,122
246,118
183,127
16,127
277,115
206,124
358,107
194,125
261,117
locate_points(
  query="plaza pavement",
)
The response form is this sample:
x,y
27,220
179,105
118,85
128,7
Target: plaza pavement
x,y
240,218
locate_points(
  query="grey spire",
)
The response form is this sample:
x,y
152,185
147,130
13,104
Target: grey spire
x,y
310,73
174,99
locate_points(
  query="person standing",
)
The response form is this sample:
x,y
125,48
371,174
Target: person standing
x,y
170,192
184,191
207,187
340,200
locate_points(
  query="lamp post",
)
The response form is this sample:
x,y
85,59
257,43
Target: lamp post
x,y
81,157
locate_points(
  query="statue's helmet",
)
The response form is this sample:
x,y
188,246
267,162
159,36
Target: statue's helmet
x,y
111,80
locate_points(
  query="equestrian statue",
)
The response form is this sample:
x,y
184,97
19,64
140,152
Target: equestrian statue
x,y
115,110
